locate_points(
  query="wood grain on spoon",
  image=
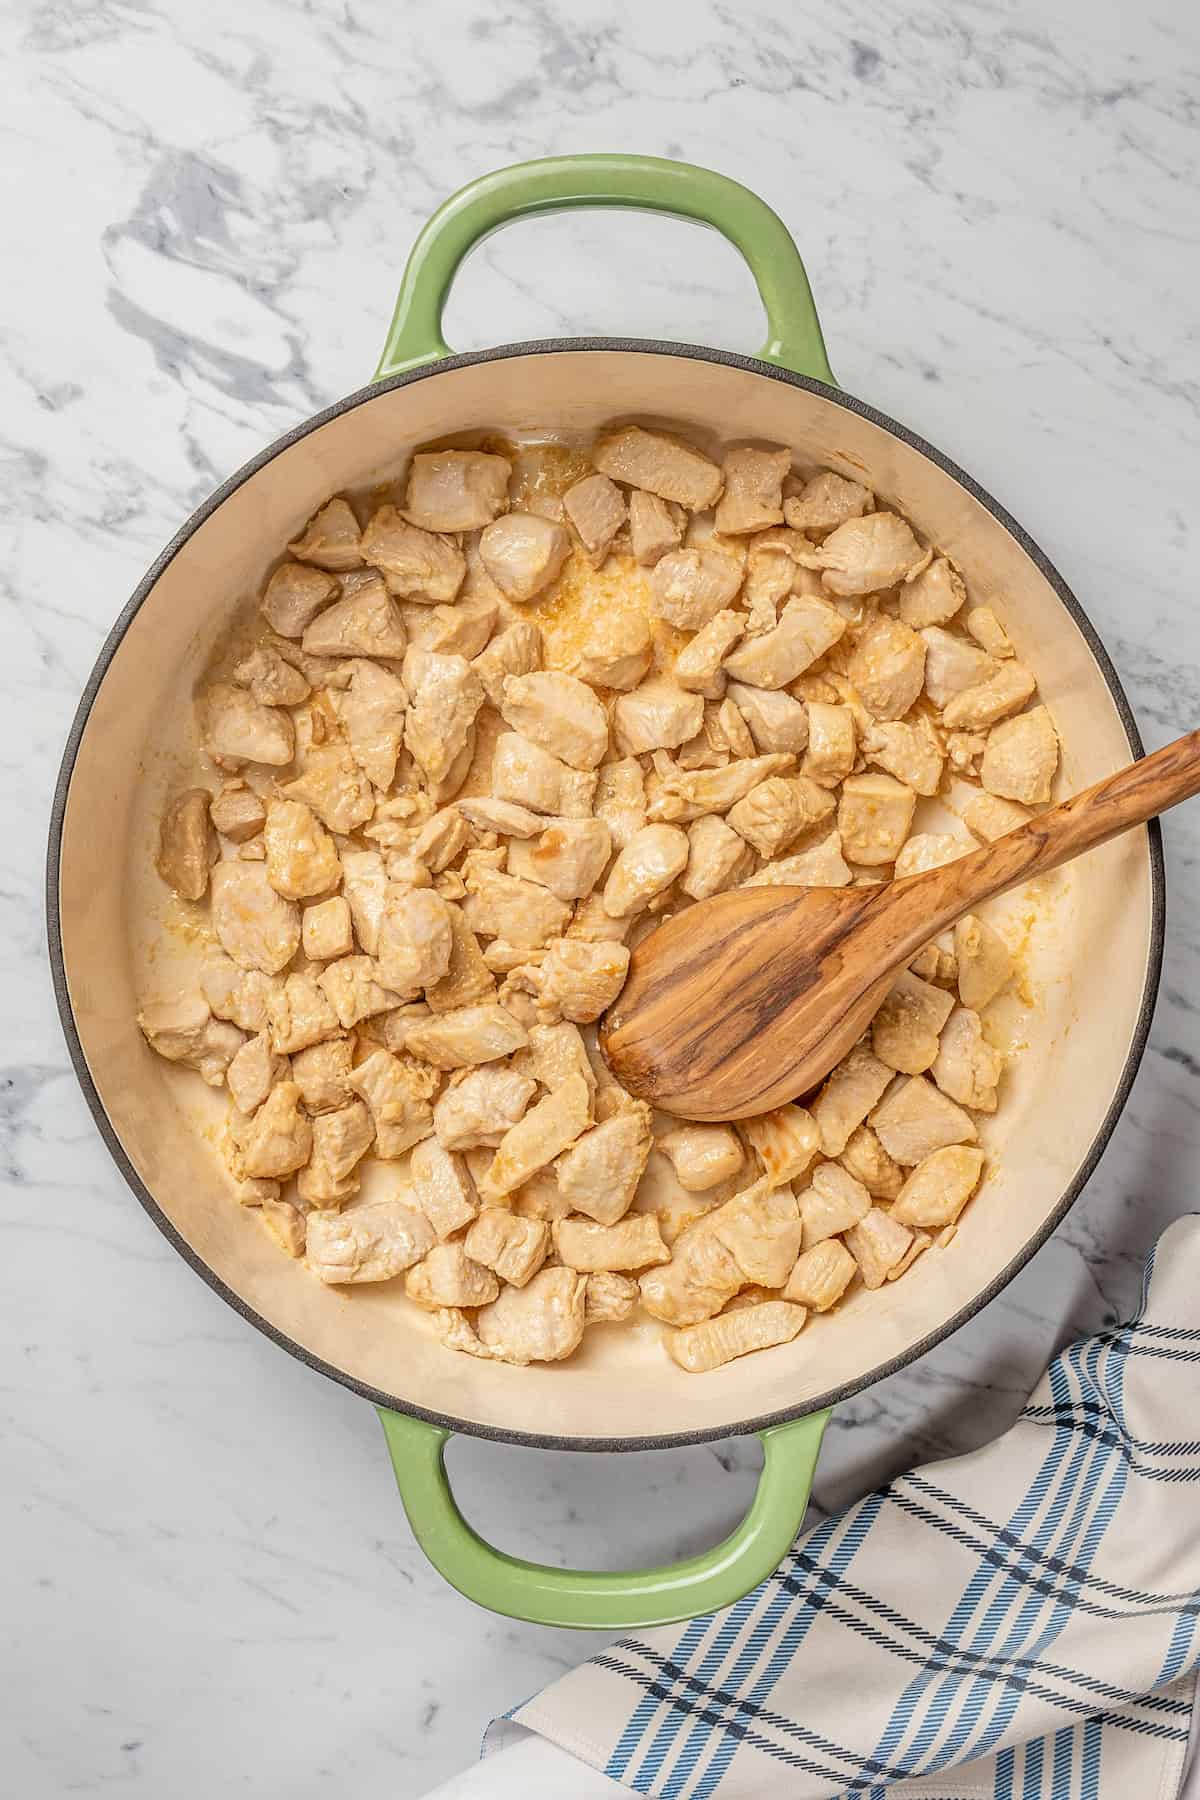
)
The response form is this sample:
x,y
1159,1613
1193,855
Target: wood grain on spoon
x,y
747,1000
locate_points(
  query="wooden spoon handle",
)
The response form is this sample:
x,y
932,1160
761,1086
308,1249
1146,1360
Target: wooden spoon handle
x,y
1083,823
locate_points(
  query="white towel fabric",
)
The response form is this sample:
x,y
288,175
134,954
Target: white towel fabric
x,y
1019,1623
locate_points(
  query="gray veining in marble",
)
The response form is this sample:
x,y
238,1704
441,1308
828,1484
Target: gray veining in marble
x,y
208,1585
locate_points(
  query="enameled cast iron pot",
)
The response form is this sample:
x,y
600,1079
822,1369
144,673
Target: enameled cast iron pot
x,y
1095,943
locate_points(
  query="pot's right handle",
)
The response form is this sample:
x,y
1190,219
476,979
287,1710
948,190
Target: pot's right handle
x,y
649,183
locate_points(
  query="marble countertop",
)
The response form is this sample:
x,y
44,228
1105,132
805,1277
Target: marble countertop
x,y
208,1582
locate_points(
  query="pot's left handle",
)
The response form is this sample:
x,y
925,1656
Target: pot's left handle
x,y
647,183
600,1599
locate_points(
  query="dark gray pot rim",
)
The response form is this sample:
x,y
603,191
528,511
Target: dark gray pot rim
x,y
396,1403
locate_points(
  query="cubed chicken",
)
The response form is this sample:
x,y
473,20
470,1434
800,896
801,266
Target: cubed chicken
x,y
501,816
832,743
366,622
660,464
904,1032
988,632
610,1298
689,587
717,858
374,1241
237,812
568,858
939,1187
785,1141
540,1322
294,596
283,1222
621,799
272,681
521,913
915,1119
658,715
907,749
952,664
698,665
967,1068
700,1348
826,501
463,629
517,650
322,1073
592,924
655,526
645,868
878,1243
834,1202
523,553
887,667
414,564
445,697
186,844
975,708
928,850
753,496
441,840
868,1161
875,813
371,710
934,596
340,1140
633,1243
984,961
480,1108
850,1092
687,795
466,1037
558,713
331,539
529,776
302,858
987,816
276,1140
467,979
617,652
866,554
326,931
595,508
456,490
808,627
761,1229
935,964
442,1188
702,1156
238,729
254,925
447,1276
415,940
543,1133
354,987
599,1174
334,786
253,1072
820,865
185,1031
698,1281
775,720
398,1092
513,1248
239,995
299,1014
821,1275
1021,758
773,814
554,1053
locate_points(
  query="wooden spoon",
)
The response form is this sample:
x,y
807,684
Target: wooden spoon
x,y
749,999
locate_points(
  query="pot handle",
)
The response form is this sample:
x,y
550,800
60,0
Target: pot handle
x,y
649,183
600,1599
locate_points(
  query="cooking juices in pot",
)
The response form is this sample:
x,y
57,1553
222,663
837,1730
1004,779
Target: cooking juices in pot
x,y
489,728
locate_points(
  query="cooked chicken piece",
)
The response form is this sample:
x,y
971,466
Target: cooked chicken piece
x,y
299,1014
617,653
939,1187
366,622
254,1071
456,490
447,1276
934,596
702,1156
285,1223
977,707
786,1141
717,858
907,749
691,794
334,787
658,715
501,816
322,1073
863,555
467,1036
951,664
595,506
512,1248
294,596
928,850
340,1140
988,632
610,1298
529,776
967,1068
868,1161
915,1119
634,1243
988,817
698,1281
240,995
398,1093
558,713
698,665
254,925
326,931
372,1241
932,963
775,812
568,858
237,812
887,667
521,913
753,496
414,564
775,720
546,1129
599,1174
415,940
524,553
372,712
445,696
825,502
875,814
185,1031
964,749
517,650
541,1322
593,925
621,800
331,539
441,840
904,1032
555,1052
808,626
821,865
186,844
237,729
1021,758
443,1189
480,1109
302,859
655,526
646,867
271,680
985,964
661,465
833,1203
690,587
831,744
365,886
354,988
277,1139
464,629
468,978
878,1244
821,1275
849,1094
706,1346
761,1229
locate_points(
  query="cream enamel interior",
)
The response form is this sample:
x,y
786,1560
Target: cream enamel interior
x,y
1077,1032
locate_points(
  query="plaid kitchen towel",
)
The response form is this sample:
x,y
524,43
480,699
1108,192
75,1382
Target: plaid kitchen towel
x,y
1019,1623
